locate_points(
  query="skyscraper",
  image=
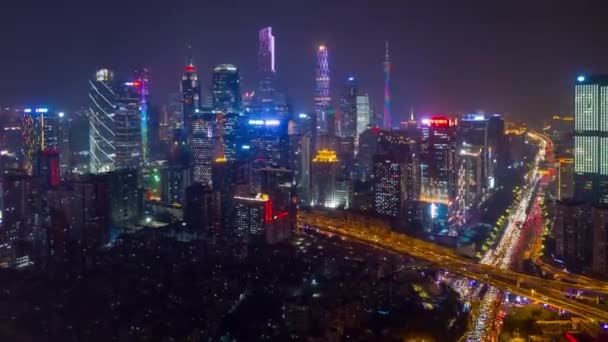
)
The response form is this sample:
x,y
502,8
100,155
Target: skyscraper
x,y
325,172
387,121
127,127
266,94
141,84
102,95
322,79
226,89
39,131
363,114
348,108
591,139
191,94
204,145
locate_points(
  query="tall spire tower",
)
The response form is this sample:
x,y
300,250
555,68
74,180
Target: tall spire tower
x,y
322,97
387,121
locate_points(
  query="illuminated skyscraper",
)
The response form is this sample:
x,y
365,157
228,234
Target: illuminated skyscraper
x,y
191,93
322,97
363,113
141,84
591,139
102,110
39,131
266,94
387,121
325,172
348,108
127,125
204,146
226,89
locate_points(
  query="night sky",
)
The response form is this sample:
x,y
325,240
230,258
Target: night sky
x,y
518,58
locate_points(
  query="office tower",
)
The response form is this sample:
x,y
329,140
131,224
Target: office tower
x,y
325,171
368,143
174,181
470,179
498,152
226,175
126,197
573,233
591,139
396,184
19,204
387,186
565,178
363,114
80,212
599,215
438,170
279,185
266,95
475,131
387,122
301,146
47,168
190,94
127,127
202,209
348,108
256,220
63,142
226,89
561,132
205,141
102,95
179,152
268,140
142,85
39,131
322,79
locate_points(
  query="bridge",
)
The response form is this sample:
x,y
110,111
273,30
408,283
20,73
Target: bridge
x,y
376,234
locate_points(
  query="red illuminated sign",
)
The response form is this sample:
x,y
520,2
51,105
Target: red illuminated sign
x,y
440,122
190,68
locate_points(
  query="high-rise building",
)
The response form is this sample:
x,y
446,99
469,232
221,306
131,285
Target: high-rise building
x,y
565,178
322,96
348,108
174,181
47,168
438,169
599,216
102,110
470,179
387,121
268,140
325,172
204,145
363,113
279,184
126,196
19,205
80,215
141,83
591,139
127,127
39,131
266,96
226,89
202,209
257,221
573,233
190,93
368,144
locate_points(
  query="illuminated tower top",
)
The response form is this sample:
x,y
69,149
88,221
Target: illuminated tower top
x,y
387,121
266,51
191,92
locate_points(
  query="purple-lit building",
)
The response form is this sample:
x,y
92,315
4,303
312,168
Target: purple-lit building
x,y
322,79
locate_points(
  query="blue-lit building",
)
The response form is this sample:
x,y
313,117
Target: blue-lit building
x,y
102,110
268,140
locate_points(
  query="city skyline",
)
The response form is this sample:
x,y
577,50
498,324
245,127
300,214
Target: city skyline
x,y
439,65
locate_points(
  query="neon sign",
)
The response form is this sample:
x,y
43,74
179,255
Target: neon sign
x,y
440,122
